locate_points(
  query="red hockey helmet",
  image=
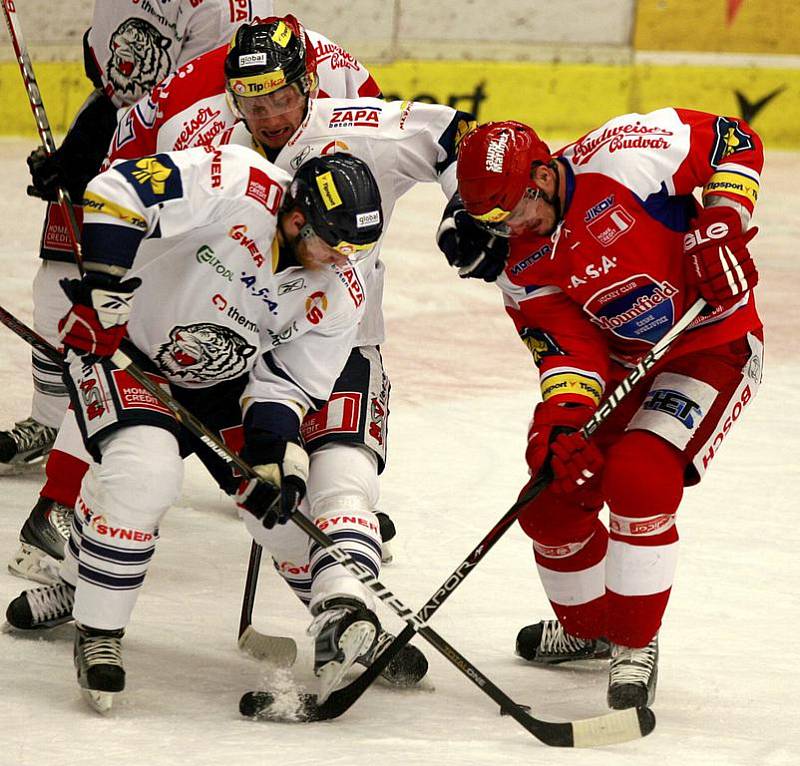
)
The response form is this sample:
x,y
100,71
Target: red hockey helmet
x,y
494,167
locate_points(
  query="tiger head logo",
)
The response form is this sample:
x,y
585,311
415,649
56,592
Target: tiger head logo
x,y
203,352
139,58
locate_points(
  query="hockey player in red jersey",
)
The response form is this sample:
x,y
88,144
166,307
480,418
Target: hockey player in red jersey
x,y
608,248
130,47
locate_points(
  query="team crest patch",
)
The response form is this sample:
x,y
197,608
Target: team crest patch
x,y
730,139
640,308
139,58
154,179
203,352
540,344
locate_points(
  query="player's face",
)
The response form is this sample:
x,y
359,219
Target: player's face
x,y
532,214
273,118
314,254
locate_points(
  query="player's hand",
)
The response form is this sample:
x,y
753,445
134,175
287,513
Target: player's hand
x,y
555,444
574,461
98,319
283,471
472,249
46,175
719,263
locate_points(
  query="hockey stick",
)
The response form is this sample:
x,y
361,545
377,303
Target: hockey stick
x,y
40,116
617,726
342,699
278,650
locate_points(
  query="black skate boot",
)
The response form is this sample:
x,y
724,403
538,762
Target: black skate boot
x,y
388,532
547,643
41,542
26,444
344,630
632,676
407,668
40,608
98,660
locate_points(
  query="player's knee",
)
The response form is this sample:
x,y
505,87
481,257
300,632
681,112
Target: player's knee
x,y
643,476
139,478
552,520
342,474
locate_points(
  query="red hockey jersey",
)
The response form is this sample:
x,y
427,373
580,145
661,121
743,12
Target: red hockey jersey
x,y
610,281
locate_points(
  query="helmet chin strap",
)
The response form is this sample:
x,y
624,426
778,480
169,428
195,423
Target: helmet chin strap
x,y
555,199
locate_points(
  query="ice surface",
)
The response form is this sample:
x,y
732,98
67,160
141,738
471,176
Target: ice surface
x,y
463,390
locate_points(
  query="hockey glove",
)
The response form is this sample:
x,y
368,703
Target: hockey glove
x,y
720,264
283,469
78,158
98,319
555,444
46,175
472,249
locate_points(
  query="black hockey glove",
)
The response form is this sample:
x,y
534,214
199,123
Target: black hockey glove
x,y
472,249
283,466
79,157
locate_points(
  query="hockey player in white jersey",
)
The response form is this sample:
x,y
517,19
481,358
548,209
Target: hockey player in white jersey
x,y
129,48
260,343
187,109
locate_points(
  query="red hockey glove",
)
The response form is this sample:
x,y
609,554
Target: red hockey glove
x,y
98,319
719,261
574,462
550,420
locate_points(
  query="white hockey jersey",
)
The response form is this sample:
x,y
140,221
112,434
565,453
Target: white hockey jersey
x,y
136,43
216,299
191,108
402,142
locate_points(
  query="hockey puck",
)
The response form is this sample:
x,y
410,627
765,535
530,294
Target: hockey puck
x,y
254,703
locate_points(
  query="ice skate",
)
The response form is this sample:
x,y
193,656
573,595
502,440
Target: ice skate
x,y
26,444
632,676
344,630
547,643
42,539
406,669
40,608
98,661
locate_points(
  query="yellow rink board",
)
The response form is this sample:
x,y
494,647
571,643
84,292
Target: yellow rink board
x,y
563,100
722,26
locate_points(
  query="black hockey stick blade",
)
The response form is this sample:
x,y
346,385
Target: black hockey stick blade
x,y
609,729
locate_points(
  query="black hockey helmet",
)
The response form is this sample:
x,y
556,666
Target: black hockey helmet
x,y
268,55
340,199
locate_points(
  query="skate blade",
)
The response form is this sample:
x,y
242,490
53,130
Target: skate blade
x,y
23,467
280,651
356,640
100,702
31,563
